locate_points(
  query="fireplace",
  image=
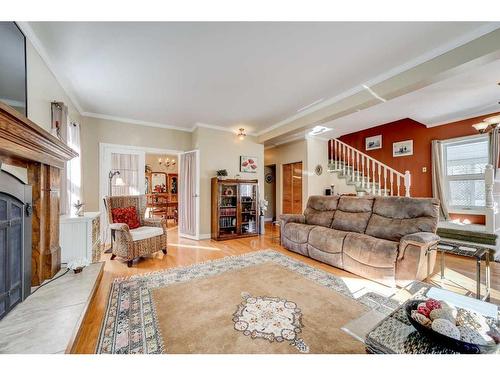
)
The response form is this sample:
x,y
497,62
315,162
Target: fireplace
x,y
34,254
15,241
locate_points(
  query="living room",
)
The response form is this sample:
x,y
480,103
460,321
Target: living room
x,y
192,188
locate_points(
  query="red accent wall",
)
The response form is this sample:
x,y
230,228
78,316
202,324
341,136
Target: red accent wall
x,y
405,129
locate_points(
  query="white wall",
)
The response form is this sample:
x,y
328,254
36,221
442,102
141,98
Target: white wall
x,y
43,89
317,154
284,154
222,150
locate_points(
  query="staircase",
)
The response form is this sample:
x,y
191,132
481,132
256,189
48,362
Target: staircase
x,y
368,175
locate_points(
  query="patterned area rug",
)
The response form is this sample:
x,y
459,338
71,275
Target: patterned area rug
x,y
260,302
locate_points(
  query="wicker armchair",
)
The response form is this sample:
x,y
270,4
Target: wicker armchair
x,y
128,243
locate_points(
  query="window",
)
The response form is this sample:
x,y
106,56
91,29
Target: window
x,y
465,162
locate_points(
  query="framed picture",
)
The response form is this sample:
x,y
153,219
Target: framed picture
x,y
248,164
373,143
403,148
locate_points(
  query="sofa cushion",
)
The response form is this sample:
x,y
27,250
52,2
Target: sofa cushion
x,y
370,257
352,214
395,217
141,233
320,210
296,232
327,239
325,245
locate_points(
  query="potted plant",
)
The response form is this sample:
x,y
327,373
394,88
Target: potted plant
x,y
221,173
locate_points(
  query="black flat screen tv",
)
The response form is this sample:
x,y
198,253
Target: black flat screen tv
x,y
13,67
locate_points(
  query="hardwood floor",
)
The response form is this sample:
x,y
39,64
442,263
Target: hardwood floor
x,y
460,272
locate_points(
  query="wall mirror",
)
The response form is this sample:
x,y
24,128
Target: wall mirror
x,y
158,182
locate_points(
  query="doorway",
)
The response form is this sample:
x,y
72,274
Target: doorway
x,y
292,188
133,180
270,192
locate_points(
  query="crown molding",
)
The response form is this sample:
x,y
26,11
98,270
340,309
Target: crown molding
x,y
135,122
458,42
40,49
220,128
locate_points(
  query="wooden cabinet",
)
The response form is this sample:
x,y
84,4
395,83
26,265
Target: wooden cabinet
x,y
292,188
80,237
235,208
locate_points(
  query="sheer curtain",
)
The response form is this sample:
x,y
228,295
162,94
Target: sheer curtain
x,y
73,168
187,207
494,149
128,166
71,175
438,188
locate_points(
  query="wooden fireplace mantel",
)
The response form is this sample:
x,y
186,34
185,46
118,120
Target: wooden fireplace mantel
x,y
25,144
21,138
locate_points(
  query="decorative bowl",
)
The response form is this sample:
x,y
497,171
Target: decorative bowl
x,y
449,342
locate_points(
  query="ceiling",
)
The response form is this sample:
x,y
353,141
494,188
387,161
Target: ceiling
x,y
237,74
470,94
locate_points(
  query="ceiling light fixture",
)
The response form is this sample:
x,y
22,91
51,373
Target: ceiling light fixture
x,y
487,125
167,162
318,130
242,134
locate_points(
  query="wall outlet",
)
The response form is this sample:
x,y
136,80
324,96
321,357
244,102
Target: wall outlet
x,y
424,169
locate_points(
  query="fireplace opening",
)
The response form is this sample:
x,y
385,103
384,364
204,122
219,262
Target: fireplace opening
x,y
15,241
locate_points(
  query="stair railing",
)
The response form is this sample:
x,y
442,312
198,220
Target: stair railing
x,y
374,176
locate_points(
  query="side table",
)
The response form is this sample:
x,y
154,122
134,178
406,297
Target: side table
x,y
477,252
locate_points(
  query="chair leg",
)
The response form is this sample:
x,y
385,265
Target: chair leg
x,y
164,251
129,263
113,256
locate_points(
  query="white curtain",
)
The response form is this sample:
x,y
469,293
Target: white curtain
x,y
494,149
73,169
438,188
128,166
187,201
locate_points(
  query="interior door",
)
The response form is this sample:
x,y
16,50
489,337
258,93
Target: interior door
x,y
189,195
287,188
292,188
297,188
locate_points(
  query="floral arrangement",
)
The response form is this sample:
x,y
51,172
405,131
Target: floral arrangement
x,y
263,206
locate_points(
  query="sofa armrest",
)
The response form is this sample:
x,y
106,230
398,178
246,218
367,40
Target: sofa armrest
x,y
291,218
421,238
119,226
122,230
415,259
160,223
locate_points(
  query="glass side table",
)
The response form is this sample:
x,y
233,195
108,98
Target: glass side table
x,y
395,334
470,250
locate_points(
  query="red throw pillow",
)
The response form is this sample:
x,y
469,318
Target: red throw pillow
x,y
126,215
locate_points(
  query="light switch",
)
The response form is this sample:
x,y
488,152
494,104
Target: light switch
x,y
424,169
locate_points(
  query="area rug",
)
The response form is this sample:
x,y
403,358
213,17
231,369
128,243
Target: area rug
x,y
260,302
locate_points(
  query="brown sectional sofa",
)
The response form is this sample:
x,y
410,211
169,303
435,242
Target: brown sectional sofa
x,y
385,239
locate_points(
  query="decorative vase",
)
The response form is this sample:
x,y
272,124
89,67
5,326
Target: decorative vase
x,y
262,228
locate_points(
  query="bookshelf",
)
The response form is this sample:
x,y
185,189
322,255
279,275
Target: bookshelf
x,y
235,208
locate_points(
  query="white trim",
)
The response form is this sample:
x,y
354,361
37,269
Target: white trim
x,y
471,211
40,49
135,122
458,42
221,128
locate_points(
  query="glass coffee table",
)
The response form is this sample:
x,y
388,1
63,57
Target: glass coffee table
x,y
394,334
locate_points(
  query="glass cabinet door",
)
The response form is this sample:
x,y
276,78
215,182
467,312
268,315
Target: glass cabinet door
x,y
248,208
228,198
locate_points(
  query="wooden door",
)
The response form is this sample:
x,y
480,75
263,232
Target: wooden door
x,y
292,188
297,188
